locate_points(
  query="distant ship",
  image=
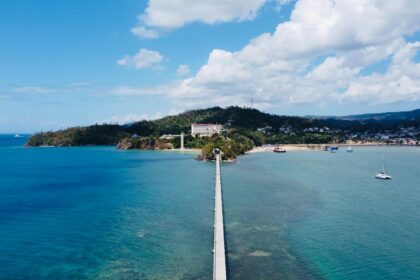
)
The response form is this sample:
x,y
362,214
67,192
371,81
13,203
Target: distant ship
x,y
279,150
383,175
349,149
18,136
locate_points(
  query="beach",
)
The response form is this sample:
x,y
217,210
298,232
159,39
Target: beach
x,y
317,147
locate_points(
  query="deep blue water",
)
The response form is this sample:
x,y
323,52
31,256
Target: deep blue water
x,y
100,213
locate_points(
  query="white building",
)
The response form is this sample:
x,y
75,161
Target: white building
x,y
204,129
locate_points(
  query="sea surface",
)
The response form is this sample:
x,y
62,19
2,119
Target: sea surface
x,y
100,213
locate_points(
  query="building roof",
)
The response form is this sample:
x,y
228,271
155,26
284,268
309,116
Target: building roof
x,y
204,124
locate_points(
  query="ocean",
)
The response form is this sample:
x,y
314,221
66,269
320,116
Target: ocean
x,y
321,215
101,213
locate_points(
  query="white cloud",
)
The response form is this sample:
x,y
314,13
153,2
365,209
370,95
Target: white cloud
x,y
161,15
315,57
130,118
284,2
32,89
400,83
281,3
132,91
319,27
78,87
143,59
144,32
183,70
278,68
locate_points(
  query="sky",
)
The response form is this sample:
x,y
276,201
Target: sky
x,y
71,63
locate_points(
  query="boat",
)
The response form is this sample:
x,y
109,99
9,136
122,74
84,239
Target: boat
x,y
383,175
279,150
349,149
18,136
333,149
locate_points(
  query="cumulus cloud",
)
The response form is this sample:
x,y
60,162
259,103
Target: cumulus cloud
x,y
400,83
317,55
163,15
144,58
183,70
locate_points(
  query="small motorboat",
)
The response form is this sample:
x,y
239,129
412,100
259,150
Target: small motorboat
x,y
333,149
349,149
279,150
383,175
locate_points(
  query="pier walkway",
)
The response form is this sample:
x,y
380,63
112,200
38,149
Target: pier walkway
x,y
219,256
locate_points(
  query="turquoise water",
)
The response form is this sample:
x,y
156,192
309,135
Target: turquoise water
x,y
100,213
309,215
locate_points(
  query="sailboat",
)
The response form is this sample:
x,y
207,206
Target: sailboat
x,y
382,175
349,149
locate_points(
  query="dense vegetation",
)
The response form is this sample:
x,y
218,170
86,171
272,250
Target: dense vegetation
x,y
231,144
144,143
245,127
105,134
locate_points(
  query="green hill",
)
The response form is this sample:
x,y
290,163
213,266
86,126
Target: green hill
x,y
389,116
257,126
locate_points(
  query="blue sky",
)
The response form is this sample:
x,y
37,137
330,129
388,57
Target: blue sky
x,y
65,63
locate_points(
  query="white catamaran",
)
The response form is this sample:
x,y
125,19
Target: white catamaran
x,y
383,175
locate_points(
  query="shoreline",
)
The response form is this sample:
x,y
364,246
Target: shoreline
x,y
186,150
317,147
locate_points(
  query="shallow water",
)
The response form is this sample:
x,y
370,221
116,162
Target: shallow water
x,y
100,213
306,215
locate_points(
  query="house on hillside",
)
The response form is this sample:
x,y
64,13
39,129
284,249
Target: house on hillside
x,y
203,129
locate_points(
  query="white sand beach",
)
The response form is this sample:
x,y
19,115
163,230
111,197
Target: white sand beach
x,y
287,147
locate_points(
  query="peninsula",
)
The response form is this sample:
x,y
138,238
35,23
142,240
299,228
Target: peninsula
x,y
241,130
